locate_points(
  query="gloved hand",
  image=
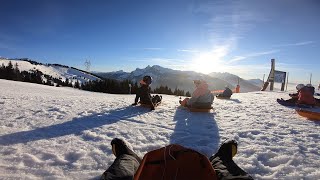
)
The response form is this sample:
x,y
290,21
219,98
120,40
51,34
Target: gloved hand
x,y
134,104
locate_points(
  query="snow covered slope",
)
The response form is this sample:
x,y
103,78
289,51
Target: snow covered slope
x,y
59,72
64,133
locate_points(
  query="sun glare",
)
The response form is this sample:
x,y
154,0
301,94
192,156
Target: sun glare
x,y
207,62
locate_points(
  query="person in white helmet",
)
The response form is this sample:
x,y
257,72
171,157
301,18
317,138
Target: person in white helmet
x,y
304,96
294,96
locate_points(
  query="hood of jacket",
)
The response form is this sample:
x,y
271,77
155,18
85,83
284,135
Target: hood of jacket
x,y
201,89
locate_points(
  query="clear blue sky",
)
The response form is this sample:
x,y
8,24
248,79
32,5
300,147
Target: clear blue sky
x,y
239,37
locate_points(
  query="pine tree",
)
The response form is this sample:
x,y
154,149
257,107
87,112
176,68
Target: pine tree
x,y
2,71
77,84
17,72
9,71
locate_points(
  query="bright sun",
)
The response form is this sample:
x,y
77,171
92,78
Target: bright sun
x,y
206,63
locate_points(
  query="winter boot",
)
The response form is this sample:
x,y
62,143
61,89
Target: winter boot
x,y
223,164
227,150
120,147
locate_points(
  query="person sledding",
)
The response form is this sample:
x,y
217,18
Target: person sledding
x,y
227,93
294,96
173,162
143,93
201,97
304,96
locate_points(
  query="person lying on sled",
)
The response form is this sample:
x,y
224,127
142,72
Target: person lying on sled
x,y
173,162
294,96
311,88
226,93
306,97
143,93
201,97
303,96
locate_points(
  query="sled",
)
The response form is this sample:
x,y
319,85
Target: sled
x,y
291,104
221,97
264,87
309,114
149,105
191,109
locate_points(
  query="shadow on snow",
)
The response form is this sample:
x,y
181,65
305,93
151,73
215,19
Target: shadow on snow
x,y
75,126
196,130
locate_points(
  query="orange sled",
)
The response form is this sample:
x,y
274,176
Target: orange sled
x,y
309,114
199,109
148,105
221,97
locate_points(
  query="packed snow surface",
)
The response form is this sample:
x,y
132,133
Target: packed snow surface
x,y
64,133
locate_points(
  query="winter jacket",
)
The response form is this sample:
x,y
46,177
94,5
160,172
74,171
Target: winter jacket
x,y
201,96
305,96
227,93
144,94
311,89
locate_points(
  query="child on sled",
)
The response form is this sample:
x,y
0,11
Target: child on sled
x,y
227,93
201,97
143,93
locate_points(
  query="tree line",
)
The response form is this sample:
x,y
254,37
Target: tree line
x,y
12,72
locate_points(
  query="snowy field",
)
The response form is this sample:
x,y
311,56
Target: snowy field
x,y
64,133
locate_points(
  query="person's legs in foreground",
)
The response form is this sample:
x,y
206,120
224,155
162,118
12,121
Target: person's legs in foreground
x,y
126,163
223,164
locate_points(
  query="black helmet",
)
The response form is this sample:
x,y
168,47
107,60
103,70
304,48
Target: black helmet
x,y
147,79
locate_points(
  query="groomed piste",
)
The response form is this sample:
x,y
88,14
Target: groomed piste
x,y
65,133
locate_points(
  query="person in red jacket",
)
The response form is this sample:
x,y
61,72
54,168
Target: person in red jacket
x,y
305,96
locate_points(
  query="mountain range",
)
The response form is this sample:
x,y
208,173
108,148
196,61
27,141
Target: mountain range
x,y
182,80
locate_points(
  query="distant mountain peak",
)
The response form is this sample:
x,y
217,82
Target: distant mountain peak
x,y
181,79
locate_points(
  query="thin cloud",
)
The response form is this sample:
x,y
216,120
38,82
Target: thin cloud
x,y
257,54
188,50
153,49
295,44
159,61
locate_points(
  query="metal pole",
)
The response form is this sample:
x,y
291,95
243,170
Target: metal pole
x,y
272,74
310,78
287,81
